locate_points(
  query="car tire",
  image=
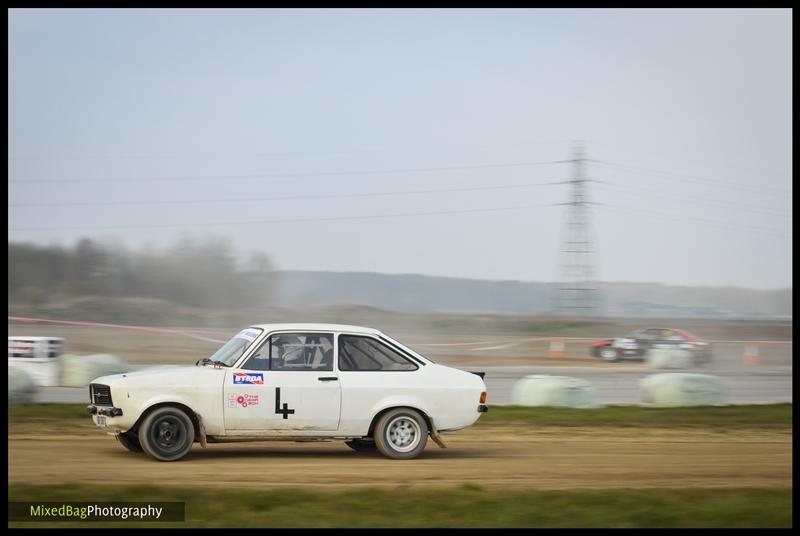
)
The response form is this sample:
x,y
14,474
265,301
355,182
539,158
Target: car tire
x,y
130,440
166,434
401,434
609,354
361,445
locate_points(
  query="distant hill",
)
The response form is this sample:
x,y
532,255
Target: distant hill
x,y
424,294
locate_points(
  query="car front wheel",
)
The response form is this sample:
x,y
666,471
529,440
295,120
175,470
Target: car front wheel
x,y
401,434
166,434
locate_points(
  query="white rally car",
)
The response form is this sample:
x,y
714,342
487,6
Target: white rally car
x,y
300,382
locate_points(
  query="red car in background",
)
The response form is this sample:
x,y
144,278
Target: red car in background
x,y
634,346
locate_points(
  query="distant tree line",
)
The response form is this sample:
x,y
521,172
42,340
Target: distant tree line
x,y
193,272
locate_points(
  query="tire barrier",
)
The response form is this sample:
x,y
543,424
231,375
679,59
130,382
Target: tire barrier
x,y
44,371
80,370
670,389
668,358
21,387
556,391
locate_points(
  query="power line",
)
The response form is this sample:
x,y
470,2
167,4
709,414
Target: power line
x,y
696,200
169,156
259,222
697,180
666,216
279,198
626,188
650,213
737,166
284,175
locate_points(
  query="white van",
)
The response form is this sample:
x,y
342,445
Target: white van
x,y
38,356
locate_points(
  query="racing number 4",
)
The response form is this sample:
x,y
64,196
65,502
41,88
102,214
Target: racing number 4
x,y
285,411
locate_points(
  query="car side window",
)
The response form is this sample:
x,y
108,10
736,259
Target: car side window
x,y
638,334
260,359
366,354
301,351
652,334
294,351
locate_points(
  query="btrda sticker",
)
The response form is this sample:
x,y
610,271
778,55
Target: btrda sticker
x,y
242,401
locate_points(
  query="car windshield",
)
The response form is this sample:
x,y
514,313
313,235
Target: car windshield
x,y
232,350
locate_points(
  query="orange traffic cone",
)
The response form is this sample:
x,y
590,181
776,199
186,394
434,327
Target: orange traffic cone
x,y
750,354
557,348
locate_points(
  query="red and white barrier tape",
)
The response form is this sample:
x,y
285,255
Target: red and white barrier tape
x,y
192,332
150,329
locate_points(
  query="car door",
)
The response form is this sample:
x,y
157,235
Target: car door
x,y
661,338
371,371
649,337
288,383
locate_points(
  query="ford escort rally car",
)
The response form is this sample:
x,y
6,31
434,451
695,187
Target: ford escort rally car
x,y
635,345
299,382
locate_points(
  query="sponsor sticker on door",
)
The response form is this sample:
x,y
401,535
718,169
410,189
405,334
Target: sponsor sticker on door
x,y
242,400
244,378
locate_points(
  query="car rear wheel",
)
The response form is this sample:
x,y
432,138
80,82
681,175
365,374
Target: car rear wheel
x,y
361,445
401,434
166,434
130,441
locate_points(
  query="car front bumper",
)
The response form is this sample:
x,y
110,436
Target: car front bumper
x,y
108,411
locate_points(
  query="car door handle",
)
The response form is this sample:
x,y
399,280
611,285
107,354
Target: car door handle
x,y
328,379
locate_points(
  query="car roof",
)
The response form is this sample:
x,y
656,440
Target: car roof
x,y
308,326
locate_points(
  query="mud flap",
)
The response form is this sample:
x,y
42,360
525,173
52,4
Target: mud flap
x,y
201,431
435,435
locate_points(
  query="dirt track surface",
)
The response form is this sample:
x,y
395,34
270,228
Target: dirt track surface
x,y
493,457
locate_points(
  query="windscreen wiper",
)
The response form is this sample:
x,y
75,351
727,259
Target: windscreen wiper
x,y
207,360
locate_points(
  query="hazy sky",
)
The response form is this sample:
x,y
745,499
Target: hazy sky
x,y
136,113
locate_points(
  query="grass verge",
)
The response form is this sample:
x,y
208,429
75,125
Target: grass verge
x,y
466,506
46,413
716,417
